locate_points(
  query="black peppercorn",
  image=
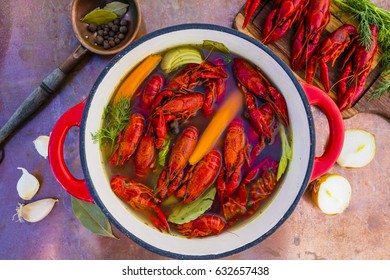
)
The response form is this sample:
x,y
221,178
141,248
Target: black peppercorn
x,y
123,22
99,40
121,36
123,29
106,45
115,28
92,27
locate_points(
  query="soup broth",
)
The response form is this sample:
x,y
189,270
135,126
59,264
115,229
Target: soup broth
x,y
216,217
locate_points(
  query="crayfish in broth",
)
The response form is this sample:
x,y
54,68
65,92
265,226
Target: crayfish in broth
x,y
149,160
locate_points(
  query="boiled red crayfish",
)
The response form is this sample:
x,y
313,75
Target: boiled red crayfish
x,y
234,154
151,90
204,225
251,192
250,8
179,108
281,18
329,49
308,35
211,75
195,74
251,80
215,88
263,186
140,198
355,71
180,153
145,156
201,176
127,140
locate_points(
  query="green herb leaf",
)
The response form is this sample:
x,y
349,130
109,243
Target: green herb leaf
x,y
286,153
118,8
91,217
162,155
184,213
209,44
99,17
115,120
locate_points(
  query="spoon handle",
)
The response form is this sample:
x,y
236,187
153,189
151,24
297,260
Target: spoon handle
x,y
35,100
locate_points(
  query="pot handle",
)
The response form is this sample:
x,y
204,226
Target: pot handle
x,y
76,187
336,129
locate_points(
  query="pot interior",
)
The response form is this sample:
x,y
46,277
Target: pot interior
x,y
252,230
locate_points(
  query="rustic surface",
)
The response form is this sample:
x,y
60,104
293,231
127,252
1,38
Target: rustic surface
x,y
37,35
283,48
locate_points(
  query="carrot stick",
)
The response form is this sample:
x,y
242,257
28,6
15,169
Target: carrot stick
x,y
217,125
133,80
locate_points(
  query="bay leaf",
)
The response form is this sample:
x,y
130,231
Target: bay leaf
x,y
210,44
92,217
99,17
118,8
184,213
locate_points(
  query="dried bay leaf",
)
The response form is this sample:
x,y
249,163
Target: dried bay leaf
x,y
209,44
118,8
99,17
92,218
184,213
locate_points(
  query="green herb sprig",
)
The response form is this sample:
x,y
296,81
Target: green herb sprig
x,y
367,13
115,118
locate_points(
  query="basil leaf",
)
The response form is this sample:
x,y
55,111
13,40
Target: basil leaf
x,y
91,217
184,213
118,8
209,44
99,17
286,153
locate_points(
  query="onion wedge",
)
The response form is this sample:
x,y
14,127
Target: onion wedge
x,y
358,150
331,193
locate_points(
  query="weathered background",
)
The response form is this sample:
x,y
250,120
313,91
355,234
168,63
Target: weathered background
x,y
37,35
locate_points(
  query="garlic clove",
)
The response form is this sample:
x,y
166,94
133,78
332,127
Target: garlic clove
x,y
41,144
27,185
35,211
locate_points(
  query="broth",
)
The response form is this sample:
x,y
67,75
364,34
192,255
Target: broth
x,y
272,150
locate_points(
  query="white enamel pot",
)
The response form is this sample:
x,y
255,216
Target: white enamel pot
x,y
303,168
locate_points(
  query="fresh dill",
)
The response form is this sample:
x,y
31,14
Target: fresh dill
x,y
367,13
115,119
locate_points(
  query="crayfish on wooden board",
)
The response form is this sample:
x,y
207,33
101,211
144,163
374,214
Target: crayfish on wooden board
x,y
308,51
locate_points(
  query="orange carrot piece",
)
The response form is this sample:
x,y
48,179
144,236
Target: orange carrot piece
x,y
135,78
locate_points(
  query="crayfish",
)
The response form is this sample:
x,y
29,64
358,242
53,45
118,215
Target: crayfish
x,y
251,191
178,160
330,49
355,71
128,139
140,198
234,154
251,80
308,35
281,18
204,225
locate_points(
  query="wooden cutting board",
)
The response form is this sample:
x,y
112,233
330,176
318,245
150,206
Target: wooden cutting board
x,y
282,48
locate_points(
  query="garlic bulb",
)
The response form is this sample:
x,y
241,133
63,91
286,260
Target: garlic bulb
x,y
42,144
35,211
27,185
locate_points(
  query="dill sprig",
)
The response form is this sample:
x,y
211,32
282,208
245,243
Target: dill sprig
x,y
367,13
115,119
